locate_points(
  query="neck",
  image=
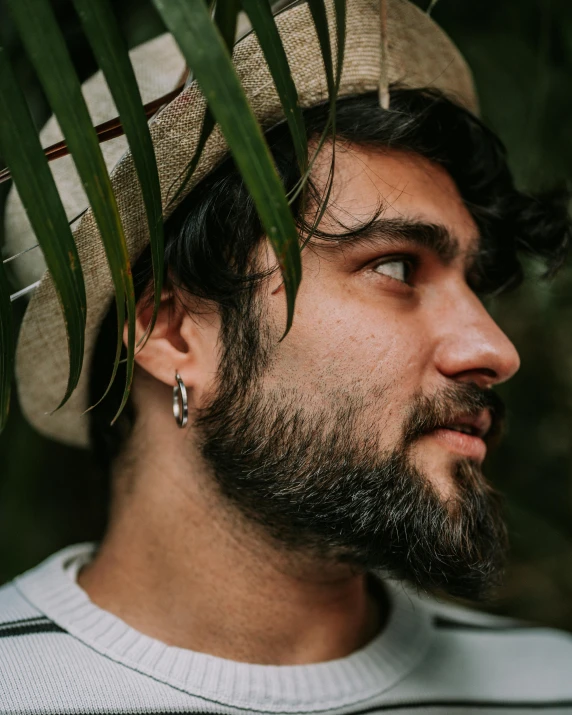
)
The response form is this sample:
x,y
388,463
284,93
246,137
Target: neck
x,y
177,566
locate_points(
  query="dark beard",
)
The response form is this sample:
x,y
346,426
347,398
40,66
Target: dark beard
x,y
317,483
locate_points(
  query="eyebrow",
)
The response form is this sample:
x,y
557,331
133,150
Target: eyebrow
x,y
435,237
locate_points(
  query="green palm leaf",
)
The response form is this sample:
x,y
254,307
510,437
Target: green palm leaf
x,y
225,17
263,23
112,57
7,347
46,48
333,79
318,11
23,153
209,59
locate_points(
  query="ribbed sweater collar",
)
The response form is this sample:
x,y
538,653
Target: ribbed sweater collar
x,y
52,588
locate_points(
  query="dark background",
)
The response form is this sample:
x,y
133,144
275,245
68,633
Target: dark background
x,y
521,55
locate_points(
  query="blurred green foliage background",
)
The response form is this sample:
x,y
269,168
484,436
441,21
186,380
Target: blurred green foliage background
x,y
521,55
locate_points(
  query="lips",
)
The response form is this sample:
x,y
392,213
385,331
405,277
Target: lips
x,y
478,425
465,434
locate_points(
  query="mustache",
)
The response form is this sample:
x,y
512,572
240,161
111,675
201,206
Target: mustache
x,y
468,399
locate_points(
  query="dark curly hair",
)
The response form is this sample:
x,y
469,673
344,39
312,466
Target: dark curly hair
x,y
211,237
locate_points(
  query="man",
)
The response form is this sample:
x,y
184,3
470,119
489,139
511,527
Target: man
x,y
261,558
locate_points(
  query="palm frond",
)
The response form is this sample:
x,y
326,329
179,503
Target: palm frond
x,y
20,146
46,48
113,59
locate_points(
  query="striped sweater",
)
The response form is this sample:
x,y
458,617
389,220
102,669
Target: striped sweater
x,y
59,653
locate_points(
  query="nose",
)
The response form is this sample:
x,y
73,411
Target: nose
x,y
472,347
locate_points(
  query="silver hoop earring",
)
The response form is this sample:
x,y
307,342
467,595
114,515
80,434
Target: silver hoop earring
x,y
180,402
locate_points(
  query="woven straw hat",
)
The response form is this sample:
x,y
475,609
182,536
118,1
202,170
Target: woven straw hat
x,y
419,55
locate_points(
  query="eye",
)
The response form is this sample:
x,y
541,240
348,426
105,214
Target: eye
x,y
399,269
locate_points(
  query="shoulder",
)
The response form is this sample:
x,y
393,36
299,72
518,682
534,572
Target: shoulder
x,y
27,602
36,653
23,601
46,668
18,616
482,657
32,650
506,643
24,625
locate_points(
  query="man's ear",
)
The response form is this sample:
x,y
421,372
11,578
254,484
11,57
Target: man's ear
x,y
179,342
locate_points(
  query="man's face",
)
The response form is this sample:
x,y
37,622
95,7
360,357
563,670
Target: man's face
x,y
361,435
389,317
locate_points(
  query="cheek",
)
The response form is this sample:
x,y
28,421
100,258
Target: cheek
x,y
340,344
